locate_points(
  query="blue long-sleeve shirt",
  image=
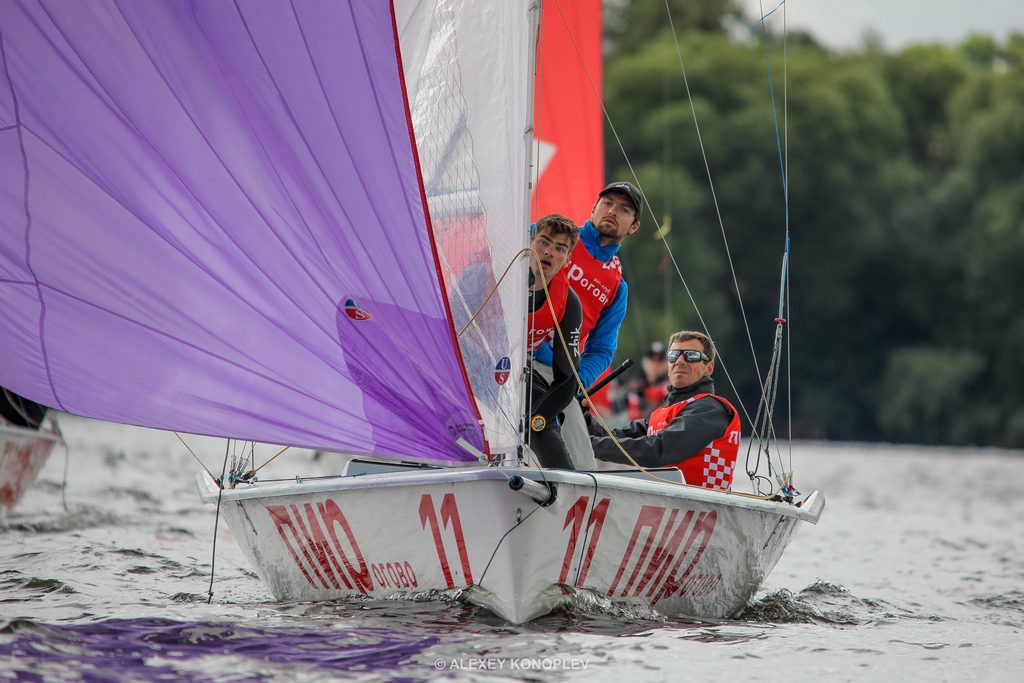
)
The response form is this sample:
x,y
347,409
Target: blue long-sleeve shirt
x,y
603,340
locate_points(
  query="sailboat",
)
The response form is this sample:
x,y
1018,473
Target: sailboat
x,y
27,437
302,223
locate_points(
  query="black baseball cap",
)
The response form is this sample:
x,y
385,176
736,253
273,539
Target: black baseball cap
x,y
626,189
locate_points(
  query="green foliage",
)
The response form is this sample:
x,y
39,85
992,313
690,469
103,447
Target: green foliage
x,y
905,184
917,389
630,23
921,79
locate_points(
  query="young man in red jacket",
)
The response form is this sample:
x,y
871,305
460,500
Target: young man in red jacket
x,y
555,318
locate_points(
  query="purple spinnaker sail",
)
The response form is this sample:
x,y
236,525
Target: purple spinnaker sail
x,y
211,221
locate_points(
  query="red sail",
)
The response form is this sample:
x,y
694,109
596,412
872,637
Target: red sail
x,y
568,138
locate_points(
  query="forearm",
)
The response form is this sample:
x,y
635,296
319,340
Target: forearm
x,y
593,362
685,436
555,399
646,451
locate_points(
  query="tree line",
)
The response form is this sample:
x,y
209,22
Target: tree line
x,y
903,195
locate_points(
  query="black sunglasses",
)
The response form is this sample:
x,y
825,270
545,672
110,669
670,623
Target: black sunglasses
x,y
689,355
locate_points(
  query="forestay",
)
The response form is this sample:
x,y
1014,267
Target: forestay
x,y
214,217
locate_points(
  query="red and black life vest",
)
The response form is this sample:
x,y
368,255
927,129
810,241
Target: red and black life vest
x,y
542,322
713,467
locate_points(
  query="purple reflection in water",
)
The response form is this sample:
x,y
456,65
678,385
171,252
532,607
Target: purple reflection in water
x,y
162,649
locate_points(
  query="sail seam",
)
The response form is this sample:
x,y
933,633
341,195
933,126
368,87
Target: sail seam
x,y
28,225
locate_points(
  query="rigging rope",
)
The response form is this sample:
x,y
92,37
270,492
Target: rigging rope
x,y
764,428
216,518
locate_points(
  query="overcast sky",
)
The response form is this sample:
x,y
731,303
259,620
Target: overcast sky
x,y
840,24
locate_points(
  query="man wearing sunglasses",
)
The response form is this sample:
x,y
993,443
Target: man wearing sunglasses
x,y
595,274
693,429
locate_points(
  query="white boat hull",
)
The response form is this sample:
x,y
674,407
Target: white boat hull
x,y
681,550
23,452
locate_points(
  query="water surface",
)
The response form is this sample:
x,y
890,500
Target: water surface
x,y
916,572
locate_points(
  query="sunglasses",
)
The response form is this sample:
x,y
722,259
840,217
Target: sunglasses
x,y
689,355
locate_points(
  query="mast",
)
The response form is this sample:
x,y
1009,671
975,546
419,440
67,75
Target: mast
x,y
528,169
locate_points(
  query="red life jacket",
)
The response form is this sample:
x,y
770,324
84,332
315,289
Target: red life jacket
x,y
595,282
542,322
713,467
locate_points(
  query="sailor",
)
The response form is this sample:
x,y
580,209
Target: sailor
x,y
555,318
694,429
595,274
646,392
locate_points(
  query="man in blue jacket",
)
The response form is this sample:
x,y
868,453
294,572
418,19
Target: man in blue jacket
x,y
595,274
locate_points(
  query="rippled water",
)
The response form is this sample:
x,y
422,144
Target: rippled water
x,y
916,572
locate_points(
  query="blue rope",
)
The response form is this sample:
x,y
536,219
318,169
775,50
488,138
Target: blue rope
x,y
782,163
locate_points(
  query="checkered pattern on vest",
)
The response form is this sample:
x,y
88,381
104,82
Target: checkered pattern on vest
x,y
713,466
717,470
